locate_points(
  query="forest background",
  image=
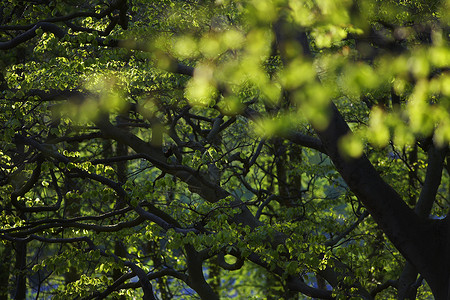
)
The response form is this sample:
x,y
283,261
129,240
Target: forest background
x,y
284,149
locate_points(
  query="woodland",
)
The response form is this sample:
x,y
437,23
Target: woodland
x,y
246,149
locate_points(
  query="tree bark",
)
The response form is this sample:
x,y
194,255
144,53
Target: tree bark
x,y
21,262
424,243
436,157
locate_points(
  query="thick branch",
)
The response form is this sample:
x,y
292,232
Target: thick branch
x,y
293,135
423,207
432,181
50,95
417,240
72,220
162,223
196,278
197,182
231,267
383,286
48,240
31,33
143,280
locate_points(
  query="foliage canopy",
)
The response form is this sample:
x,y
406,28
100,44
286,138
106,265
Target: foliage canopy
x,y
278,149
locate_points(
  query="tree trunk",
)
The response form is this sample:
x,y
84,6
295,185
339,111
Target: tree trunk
x,y
21,262
424,243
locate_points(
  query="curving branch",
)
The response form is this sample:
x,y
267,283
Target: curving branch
x,y
264,204
48,151
427,197
31,33
333,275
411,235
231,267
197,182
49,240
162,223
383,286
196,278
120,5
21,191
143,280
294,283
20,232
294,136
335,240
72,220
46,95
421,242
120,284
436,157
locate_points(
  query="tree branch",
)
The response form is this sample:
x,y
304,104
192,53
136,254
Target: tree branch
x,y
293,135
436,157
196,279
120,285
48,240
335,240
293,283
31,33
143,280
411,236
197,183
383,286
20,232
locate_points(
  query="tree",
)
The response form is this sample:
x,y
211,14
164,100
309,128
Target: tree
x,y
225,149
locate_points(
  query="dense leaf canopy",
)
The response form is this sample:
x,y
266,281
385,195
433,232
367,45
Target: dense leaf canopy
x,y
249,149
